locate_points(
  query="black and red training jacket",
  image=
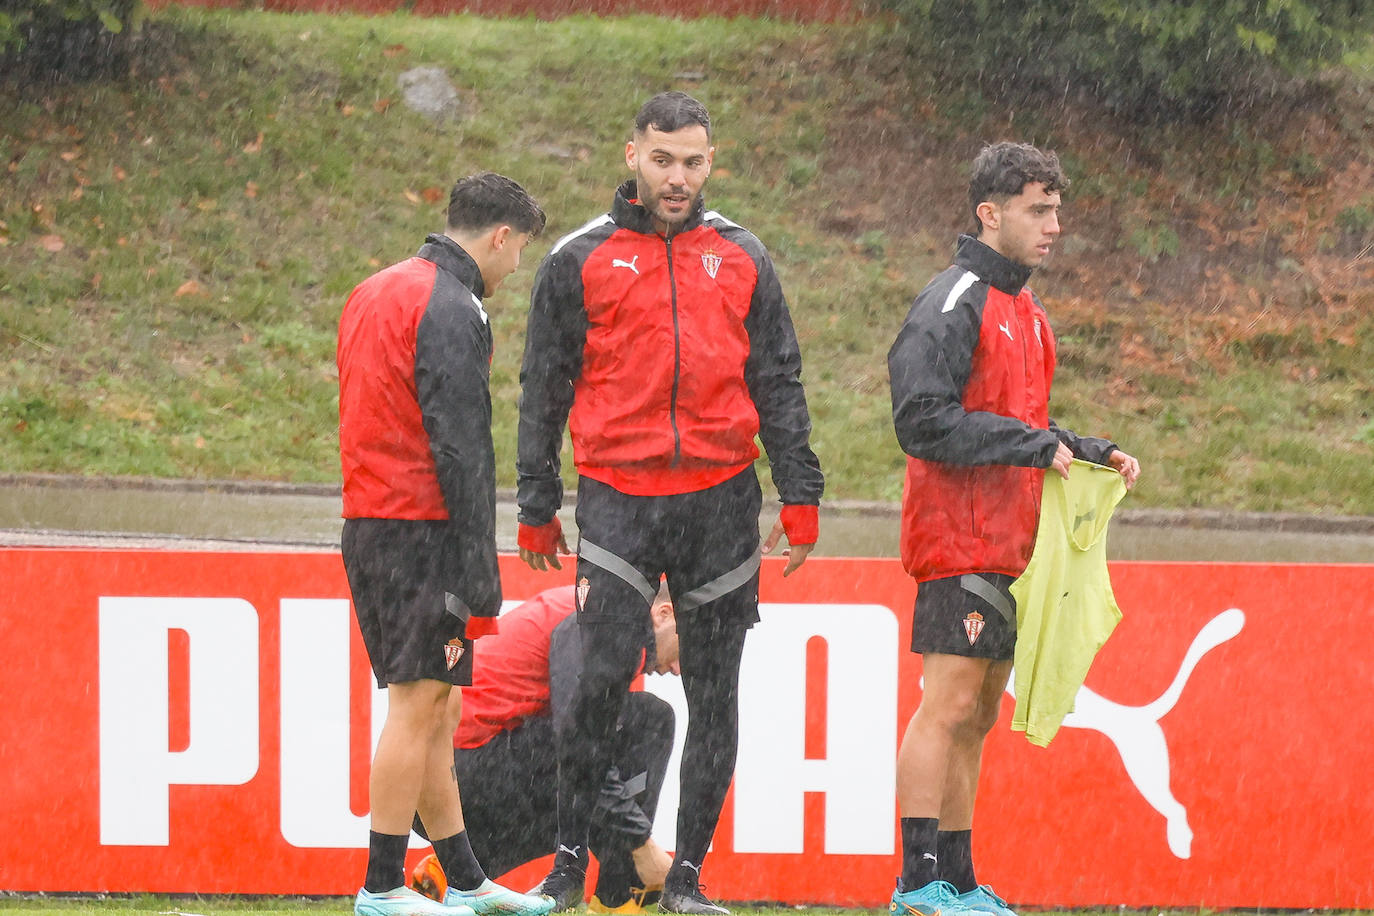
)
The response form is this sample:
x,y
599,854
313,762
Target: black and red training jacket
x,y
971,371
414,357
665,356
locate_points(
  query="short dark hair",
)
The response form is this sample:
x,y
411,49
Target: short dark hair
x,y
672,111
1002,170
487,199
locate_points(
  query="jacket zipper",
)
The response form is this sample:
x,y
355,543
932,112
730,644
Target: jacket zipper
x,y
677,357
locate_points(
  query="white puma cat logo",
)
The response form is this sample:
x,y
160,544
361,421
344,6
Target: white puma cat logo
x,y
1138,737
617,262
1006,330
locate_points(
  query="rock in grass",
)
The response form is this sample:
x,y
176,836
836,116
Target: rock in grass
x,y
428,91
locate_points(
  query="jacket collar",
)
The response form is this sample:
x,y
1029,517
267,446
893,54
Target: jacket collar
x,y
1006,275
628,214
451,258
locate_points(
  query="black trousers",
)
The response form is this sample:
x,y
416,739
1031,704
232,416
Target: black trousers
x,y
510,791
706,543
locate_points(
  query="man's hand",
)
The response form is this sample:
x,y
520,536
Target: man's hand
x,y
1063,458
540,545
1128,466
651,862
542,561
796,553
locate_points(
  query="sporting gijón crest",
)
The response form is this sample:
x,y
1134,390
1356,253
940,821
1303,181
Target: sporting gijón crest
x,y
973,626
453,651
711,261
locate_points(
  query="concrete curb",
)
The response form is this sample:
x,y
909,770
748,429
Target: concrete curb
x,y
1214,519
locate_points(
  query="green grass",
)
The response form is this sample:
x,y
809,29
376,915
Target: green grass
x,y
154,905
175,248
151,905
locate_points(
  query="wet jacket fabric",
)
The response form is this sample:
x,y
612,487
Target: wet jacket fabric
x,y
529,669
664,357
971,371
414,359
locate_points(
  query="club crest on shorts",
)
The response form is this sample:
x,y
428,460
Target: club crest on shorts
x,y
453,651
711,261
583,589
973,626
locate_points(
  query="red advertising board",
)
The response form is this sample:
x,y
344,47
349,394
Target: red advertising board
x,y
202,722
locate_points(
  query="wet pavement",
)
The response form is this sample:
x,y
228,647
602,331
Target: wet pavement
x,y
69,511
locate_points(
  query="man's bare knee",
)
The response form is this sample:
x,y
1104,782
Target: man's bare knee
x,y
418,705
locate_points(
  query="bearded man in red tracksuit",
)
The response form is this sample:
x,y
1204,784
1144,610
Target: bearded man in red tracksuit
x,y
971,370
659,333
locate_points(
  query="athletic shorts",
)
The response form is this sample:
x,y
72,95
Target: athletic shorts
x,y
706,543
399,572
972,615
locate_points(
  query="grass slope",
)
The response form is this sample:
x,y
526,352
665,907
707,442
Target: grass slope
x,y
175,249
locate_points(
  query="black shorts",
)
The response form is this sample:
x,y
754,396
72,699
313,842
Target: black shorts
x,y
399,572
706,543
972,615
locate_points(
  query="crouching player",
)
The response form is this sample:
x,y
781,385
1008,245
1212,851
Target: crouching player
x,y
516,716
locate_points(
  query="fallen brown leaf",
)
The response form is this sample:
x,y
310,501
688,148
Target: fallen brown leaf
x,y
52,243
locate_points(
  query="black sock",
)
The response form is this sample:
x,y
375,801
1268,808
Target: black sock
x,y
616,877
955,849
919,852
386,862
460,865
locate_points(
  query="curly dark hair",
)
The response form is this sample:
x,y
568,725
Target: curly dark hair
x,y
1002,170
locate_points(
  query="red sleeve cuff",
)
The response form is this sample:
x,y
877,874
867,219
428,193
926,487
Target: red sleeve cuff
x,y
801,524
542,539
481,626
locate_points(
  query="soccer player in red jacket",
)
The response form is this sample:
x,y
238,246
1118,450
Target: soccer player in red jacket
x,y
659,335
516,714
419,541
970,371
